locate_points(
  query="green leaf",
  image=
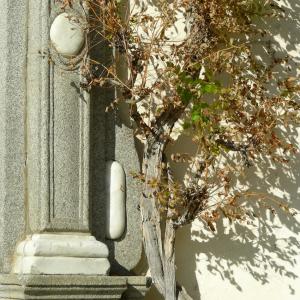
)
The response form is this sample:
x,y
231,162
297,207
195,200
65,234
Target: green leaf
x,y
200,106
196,117
209,88
185,95
197,114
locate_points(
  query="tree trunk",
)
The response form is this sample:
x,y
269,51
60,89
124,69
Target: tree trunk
x,y
169,267
161,258
150,215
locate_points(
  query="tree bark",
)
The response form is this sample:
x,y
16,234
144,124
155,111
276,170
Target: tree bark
x,y
160,256
150,215
169,267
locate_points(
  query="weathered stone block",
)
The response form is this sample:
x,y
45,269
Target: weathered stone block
x,y
62,287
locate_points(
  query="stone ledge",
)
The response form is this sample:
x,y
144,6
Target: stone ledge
x,y
61,287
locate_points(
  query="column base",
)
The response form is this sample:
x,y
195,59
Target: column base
x,y
61,254
62,287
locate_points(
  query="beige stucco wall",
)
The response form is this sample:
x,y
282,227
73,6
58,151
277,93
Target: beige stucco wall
x,y
259,261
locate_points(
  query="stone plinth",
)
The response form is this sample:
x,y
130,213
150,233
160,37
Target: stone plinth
x,y
61,287
61,254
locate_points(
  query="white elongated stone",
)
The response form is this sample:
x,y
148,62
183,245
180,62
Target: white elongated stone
x,y
67,35
116,198
61,254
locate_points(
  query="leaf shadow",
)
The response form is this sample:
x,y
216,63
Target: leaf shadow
x,y
266,245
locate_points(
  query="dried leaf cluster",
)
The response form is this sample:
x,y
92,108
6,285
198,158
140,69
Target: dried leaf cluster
x,y
192,68
210,79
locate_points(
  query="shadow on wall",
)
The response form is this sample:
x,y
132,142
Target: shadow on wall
x,y
265,248
265,251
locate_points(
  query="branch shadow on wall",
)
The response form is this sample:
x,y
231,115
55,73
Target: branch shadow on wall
x,y
267,244
258,248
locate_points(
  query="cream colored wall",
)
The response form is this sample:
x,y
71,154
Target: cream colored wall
x,y
260,261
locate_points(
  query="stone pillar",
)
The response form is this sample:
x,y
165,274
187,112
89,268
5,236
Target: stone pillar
x,y
47,250
57,147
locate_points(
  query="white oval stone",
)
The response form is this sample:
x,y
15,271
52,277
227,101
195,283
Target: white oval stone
x,y
115,201
67,35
